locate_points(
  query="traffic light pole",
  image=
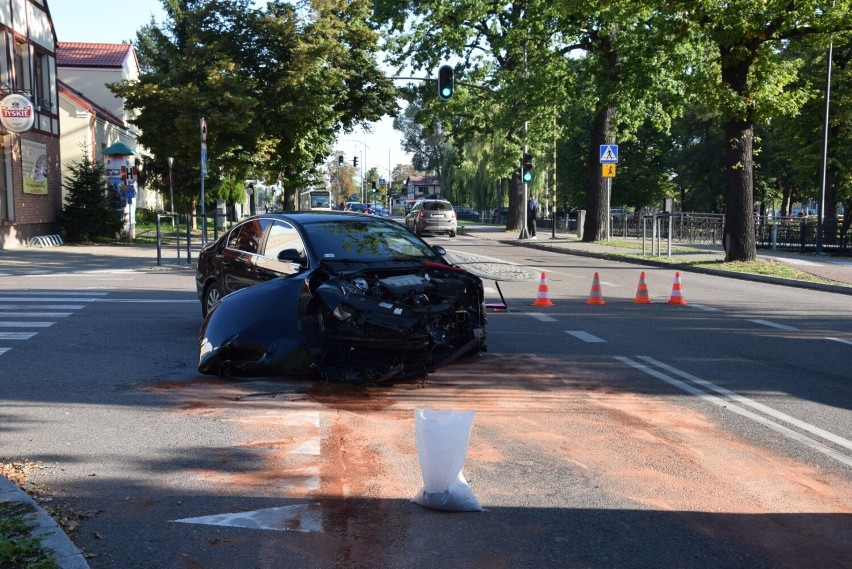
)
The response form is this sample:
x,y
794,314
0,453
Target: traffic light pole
x,y
524,233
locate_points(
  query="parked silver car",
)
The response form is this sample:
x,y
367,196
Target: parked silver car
x,y
436,216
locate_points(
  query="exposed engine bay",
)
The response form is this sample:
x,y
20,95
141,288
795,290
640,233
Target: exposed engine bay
x,y
350,323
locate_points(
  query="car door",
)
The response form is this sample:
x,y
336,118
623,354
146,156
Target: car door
x,y
239,257
280,236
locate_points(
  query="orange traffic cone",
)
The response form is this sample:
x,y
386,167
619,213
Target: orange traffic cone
x,y
542,299
642,291
677,292
595,297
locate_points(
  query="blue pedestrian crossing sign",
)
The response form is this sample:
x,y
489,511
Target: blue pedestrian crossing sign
x,y
609,153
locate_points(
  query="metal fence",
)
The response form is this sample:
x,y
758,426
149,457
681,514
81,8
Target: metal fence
x,y
785,234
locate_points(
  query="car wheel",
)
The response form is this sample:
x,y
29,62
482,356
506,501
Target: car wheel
x,y
417,231
212,297
452,233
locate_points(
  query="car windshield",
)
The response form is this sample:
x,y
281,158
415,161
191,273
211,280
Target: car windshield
x,y
360,240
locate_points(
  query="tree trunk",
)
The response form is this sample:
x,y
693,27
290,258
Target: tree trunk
x,y
597,215
515,219
739,237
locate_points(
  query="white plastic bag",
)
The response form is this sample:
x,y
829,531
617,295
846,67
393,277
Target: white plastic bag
x,y
442,440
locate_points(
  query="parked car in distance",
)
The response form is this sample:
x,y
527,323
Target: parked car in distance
x,y
618,213
355,207
353,298
465,213
435,216
499,214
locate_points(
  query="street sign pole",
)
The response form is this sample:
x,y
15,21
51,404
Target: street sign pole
x,y
609,157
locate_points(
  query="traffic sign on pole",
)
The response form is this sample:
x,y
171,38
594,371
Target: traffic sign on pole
x,y
609,153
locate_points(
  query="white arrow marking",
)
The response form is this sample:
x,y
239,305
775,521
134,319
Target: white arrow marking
x,y
301,517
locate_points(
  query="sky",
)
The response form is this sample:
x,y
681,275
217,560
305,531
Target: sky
x,y
100,21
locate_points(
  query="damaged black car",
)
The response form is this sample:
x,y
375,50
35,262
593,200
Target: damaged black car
x,y
345,297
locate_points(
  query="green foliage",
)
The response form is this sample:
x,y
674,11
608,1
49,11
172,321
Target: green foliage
x,y
18,548
90,212
275,83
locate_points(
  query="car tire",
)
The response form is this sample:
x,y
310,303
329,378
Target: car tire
x,y
212,296
451,233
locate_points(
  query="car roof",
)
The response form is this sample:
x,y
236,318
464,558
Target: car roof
x,y
313,216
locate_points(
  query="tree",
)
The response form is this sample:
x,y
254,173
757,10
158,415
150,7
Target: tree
x,y
88,213
276,84
750,80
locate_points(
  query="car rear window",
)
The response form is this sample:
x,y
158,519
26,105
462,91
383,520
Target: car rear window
x,y
437,206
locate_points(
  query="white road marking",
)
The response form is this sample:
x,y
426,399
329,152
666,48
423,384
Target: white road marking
x,y
4,350
584,336
311,447
54,306
43,293
4,314
841,340
17,335
145,301
751,403
300,517
726,404
45,299
541,317
704,308
26,324
771,324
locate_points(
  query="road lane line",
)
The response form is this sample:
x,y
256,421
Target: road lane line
x,y
25,324
751,403
584,336
541,317
771,324
786,431
841,340
704,308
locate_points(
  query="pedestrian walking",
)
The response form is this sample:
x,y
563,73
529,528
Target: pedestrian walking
x,y
532,213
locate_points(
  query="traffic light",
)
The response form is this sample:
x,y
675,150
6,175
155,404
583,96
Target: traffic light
x,y
355,162
527,168
446,83
373,183
340,161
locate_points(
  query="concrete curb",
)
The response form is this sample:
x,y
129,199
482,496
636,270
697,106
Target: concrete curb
x,y
65,553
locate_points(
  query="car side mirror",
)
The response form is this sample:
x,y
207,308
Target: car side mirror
x,y
292,256
439,250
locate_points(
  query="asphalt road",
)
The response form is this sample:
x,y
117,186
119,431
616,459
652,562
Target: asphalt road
x,y
715,434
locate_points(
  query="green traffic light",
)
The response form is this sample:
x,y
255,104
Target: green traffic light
x,y
527,176
446,93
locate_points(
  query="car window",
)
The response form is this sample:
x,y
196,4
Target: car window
x,y
361,241
247,236
438,206
282,236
